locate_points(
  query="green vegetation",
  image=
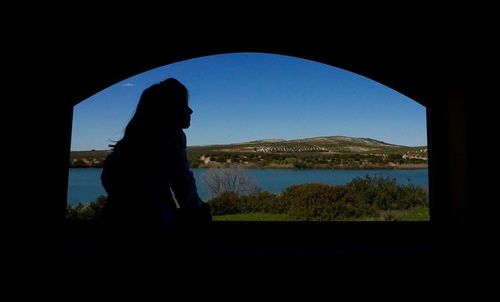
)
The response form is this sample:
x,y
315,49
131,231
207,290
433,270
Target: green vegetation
x,y
362,199
86,211
253,217
369,198
87,159
333,152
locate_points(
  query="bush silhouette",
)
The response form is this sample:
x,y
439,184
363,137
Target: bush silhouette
x,y
323,202
225,203
86,211
386,194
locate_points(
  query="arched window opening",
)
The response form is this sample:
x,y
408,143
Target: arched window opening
x,y
273,138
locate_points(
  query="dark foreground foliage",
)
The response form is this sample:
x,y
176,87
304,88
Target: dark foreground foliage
x,y
362,198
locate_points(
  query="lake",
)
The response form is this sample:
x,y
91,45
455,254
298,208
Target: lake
x,y
85,183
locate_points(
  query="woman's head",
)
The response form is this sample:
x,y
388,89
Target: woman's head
x,y
162,106
166,103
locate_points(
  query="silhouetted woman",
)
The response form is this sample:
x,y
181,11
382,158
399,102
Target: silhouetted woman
x,y
149,163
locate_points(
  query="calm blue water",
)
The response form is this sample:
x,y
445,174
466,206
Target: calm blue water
x,y
85,184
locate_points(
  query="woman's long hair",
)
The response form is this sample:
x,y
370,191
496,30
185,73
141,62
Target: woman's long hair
x,y
157,109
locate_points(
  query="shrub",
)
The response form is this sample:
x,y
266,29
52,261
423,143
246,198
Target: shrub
x,y
410,196
264,202
303,165
225,203
86,211
386,194
323,202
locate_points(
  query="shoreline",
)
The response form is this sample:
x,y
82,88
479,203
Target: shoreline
x,y
287,167
390,166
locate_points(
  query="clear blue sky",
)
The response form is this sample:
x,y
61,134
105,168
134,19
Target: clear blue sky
x,y
249,96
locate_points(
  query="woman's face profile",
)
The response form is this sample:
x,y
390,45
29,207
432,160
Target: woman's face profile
x,y
183,115
186,117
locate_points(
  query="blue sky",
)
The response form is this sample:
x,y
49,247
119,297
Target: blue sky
x,y
249,96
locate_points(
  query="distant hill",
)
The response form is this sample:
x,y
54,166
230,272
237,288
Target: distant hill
x,y
331,152
342,144
346,140
269,140
315,152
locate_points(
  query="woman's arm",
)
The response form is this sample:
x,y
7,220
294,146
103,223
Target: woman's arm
x,y
180,176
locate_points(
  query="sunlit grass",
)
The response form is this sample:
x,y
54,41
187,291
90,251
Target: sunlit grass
x,y
413,214
253,217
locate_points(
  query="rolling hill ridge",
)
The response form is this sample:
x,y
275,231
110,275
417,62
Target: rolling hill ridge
x,y
333,152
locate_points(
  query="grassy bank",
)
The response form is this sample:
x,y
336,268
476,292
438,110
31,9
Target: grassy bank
x,y
413,214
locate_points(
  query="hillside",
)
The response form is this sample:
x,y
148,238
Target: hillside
x,y
317,152
315,144
330,152
87,159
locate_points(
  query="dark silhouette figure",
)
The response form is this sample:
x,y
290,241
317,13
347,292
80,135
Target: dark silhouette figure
x,y
151,190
